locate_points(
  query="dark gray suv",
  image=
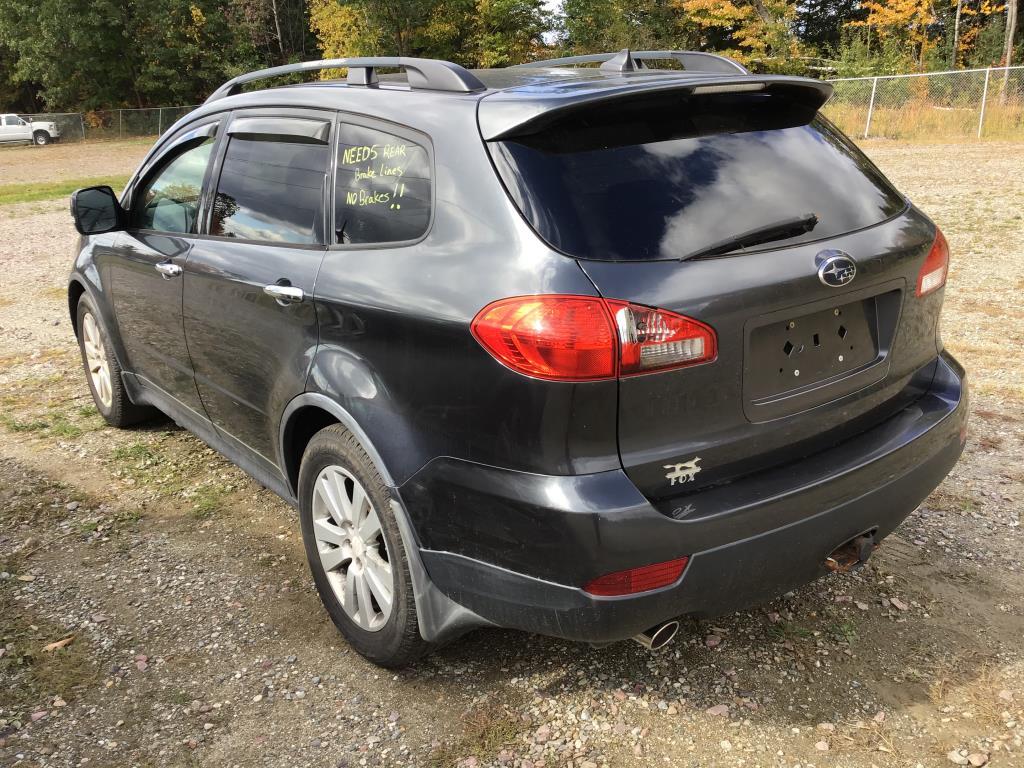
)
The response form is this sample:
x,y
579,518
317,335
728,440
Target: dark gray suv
x,y
574,350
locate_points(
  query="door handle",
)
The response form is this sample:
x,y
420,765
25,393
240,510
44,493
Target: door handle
x,y
285,294
168,269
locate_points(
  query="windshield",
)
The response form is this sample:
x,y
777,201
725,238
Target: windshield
x,y
672,178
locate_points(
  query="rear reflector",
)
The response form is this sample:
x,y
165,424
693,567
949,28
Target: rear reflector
x,y
933,272
636,580
586,338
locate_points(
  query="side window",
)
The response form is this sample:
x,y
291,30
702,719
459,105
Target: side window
x,y
272,188
382,192
169,199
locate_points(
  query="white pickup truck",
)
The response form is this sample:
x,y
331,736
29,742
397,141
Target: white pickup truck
x,y
15,128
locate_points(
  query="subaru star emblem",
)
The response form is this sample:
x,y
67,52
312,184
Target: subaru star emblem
x,y
835,268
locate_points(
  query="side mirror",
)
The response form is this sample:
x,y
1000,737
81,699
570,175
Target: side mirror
x,y
96,210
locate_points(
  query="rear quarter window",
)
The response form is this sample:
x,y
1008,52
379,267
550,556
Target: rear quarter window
x,y
382,187
664,178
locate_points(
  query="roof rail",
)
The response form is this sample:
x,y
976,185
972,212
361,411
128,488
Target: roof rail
x,y
629,61
429,74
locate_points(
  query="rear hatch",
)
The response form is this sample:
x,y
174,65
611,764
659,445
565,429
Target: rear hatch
x,y
724,206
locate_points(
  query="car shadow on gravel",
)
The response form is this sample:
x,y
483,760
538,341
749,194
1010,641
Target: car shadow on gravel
x,y
841,649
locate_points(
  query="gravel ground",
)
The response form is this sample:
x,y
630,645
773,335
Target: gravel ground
x,y
188,631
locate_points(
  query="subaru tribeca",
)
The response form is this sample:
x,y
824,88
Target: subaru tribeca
x,y
572,350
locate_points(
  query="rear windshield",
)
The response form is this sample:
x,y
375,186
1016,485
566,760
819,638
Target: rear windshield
x,y
668,177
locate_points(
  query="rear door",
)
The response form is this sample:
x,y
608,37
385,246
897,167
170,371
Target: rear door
x,y
250,322
742,212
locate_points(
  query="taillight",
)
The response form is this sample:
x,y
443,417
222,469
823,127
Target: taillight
x,y
635,580
933,272
550,337
586,338
653,339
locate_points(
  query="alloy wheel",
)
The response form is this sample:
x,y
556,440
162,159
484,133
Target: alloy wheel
x,y
352,548
96,359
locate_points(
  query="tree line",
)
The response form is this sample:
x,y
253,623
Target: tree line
x,y
80,55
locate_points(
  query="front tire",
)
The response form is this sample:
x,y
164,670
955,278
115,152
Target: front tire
x,y
103,372
355,550
41,138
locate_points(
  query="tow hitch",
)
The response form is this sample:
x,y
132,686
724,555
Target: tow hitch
x,y
852,554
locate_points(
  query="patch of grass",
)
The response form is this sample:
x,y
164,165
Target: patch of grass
x,y
29,676
61,427
138,453
132,515
89,526
179,697
207,500
787,629
484,733
54,424
33,191
56,292
844,631
14,425
46,355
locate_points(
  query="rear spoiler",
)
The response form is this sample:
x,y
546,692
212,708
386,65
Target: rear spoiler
x,y
526,110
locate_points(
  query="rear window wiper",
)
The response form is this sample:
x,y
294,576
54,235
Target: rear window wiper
x,y
780,230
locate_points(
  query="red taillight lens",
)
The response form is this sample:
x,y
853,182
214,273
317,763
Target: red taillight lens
x,y
584,338
569,338
933,272
653,339
635,580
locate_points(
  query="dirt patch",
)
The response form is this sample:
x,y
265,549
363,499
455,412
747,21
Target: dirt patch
x,y
57,162
198,639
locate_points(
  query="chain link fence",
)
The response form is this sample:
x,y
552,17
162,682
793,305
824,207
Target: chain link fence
x,y
960,104
955,105
109,124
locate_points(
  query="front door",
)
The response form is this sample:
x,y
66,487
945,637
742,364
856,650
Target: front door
x,y
250,322
146,267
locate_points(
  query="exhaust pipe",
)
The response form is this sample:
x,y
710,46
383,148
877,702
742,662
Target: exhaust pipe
x,y
853,553
658,636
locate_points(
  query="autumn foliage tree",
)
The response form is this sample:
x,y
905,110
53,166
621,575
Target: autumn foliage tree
x,y
101,54
475,33
905,21
759,33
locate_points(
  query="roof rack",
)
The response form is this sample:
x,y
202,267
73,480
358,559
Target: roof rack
x,y
429,74
630,61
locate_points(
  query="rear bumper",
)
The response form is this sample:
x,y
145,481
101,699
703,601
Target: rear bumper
x,y
513,547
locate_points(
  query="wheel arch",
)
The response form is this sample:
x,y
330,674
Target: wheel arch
x,y
440,618
83,282
306,415
75,292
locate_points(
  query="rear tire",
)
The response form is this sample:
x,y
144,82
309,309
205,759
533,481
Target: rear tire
x,y
354,549
41,138
103,372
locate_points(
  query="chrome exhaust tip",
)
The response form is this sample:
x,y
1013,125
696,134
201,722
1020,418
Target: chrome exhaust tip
x,y
658,636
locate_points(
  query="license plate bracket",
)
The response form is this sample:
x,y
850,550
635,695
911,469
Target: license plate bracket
x,y
796,353
799,358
